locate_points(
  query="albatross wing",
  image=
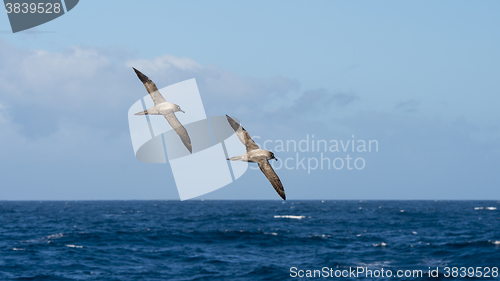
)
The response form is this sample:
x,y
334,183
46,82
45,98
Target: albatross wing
x,y
150,87
243,135
266,168
179,129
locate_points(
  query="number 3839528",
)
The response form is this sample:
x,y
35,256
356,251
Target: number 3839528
x,y
32,8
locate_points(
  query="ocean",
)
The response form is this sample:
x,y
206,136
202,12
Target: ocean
x,y
249,240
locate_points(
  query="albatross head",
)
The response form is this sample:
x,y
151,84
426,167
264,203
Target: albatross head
x,y
272,157
178,108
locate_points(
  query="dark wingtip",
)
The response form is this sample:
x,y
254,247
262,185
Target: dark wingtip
x,y
141,76
282,194
235,125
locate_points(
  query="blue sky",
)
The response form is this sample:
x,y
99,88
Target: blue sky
x,y
421,78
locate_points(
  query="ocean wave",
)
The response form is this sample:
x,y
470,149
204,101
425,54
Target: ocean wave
x,y
45,239
323,236
290,217
487,208
54,236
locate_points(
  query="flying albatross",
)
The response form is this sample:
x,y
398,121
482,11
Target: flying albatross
x,y
256,155
165,108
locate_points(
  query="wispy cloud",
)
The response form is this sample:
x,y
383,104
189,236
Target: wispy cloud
x,y
165,63
408,106
223,88
324,98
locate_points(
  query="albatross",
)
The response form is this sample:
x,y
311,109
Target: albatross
x,y
165,108
256,155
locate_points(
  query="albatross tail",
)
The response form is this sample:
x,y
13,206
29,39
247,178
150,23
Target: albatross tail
x,y
243,157
145,112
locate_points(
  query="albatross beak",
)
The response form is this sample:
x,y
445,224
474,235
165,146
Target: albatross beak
x,y
276,159
182,111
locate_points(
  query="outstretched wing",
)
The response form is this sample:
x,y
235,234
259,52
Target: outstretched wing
x,y
179,129
266,168
150,87
242,135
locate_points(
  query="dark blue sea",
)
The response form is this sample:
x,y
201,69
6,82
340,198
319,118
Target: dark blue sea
x,y
249,240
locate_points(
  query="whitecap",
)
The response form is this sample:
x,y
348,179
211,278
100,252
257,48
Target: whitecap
x,y
496,242
324,236
73,246
381,244
377,264
491,208
55,236
478,208
18,249
414,232
290,217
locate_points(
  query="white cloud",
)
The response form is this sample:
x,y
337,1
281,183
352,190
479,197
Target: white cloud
x,y
165,62
43,67
58,80
63,115
221,86
90,86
